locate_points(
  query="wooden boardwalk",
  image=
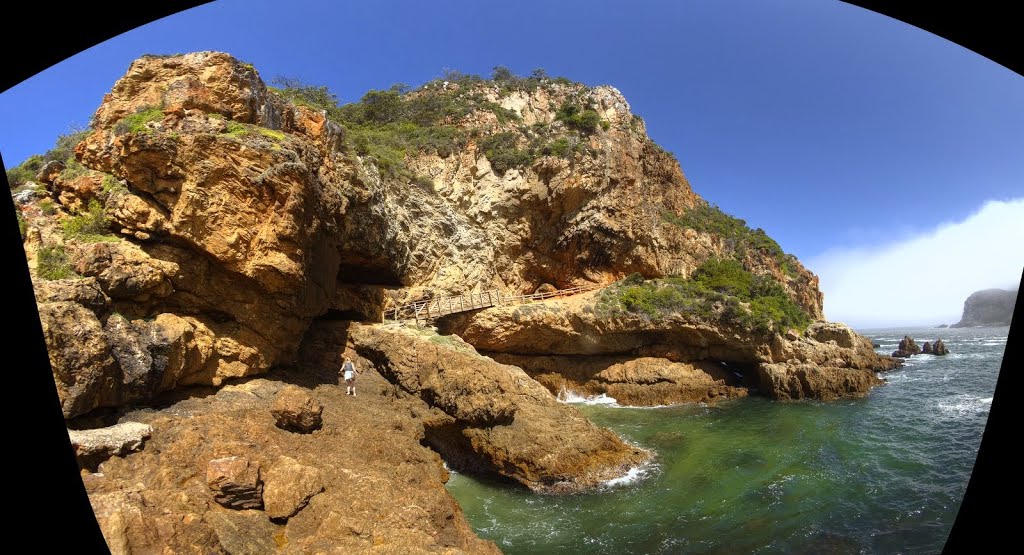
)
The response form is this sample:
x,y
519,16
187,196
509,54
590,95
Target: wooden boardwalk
x,y
429,309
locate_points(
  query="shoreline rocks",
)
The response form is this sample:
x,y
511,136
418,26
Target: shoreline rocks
x,y
908,348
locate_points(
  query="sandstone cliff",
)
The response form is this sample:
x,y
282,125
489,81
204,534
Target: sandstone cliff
x,y
676,355
227,216
990,307
209,229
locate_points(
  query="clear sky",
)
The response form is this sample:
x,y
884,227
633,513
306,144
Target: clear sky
x,y
839,131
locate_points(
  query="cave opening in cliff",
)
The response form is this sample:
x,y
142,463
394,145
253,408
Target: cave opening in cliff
x,y
348,315
359,268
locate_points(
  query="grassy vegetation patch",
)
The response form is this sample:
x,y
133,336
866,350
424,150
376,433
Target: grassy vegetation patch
x,y
136,123
392,124
578,117
738,237
63,151
52,263
719,290
91,226
112,185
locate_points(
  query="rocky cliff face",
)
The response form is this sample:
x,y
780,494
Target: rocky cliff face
x,y
674,356
236,217
210,229
990,307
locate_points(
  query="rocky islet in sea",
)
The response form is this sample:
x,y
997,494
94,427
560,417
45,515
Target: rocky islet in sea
x,y
214,247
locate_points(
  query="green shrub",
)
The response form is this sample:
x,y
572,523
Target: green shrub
x,y
424,182
577,117
391,124
112,185
707,218
52,263
25,172
318,97
719,290
235,129
502,151
64,150
47,207
90,226
726,276
136,123
73,169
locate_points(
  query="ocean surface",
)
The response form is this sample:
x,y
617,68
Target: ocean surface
x,y
881,474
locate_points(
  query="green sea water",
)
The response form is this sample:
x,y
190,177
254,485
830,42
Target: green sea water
x,y
881,474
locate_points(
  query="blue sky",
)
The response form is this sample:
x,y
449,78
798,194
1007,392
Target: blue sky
x,y
829,126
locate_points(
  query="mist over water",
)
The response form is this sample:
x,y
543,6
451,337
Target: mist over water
x,y
881,474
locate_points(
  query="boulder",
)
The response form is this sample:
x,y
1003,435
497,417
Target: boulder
x,y
789,381
28,194
86,374
823,332
296,411
907,348
245,531
939,348
49,172
493,418
99,444
83,291
288,487
236,482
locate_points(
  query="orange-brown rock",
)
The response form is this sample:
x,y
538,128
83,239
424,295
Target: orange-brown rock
x,y
381,489
785,381
642,381
289,487
496,419
235,482
578,327
295,410
249,216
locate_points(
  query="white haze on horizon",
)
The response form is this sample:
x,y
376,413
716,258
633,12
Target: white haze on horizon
x,y
924,280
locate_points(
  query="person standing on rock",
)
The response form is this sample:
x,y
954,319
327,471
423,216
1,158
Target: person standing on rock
x,y
349,373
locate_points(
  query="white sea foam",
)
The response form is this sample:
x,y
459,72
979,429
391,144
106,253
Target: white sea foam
x,y
964,405
634,474
571,397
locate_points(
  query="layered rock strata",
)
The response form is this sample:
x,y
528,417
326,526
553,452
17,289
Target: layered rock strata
x,y
827,361
237,217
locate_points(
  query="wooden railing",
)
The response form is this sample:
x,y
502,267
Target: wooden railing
x,y
429,309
